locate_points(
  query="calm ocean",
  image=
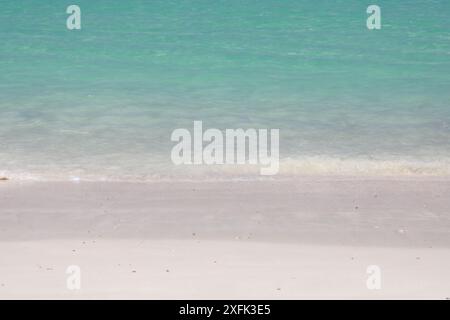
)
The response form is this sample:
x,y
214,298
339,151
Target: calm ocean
x,y
100,103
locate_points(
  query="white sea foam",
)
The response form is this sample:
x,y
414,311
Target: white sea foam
x,y
289,168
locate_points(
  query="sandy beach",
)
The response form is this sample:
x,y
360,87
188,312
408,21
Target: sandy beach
x,y
225,150
308,238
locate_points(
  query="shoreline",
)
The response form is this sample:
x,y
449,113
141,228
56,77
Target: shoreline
x,y
310,167
15,181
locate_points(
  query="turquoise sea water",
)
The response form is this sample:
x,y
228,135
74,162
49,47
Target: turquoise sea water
x,y
101,102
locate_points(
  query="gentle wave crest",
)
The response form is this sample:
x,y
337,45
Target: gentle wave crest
x,y
289,167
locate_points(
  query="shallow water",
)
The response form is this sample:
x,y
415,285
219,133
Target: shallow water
x,y
101,102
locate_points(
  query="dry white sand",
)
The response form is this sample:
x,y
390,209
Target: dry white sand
x,y
313,238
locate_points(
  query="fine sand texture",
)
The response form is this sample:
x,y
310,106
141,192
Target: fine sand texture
x,y
302,239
